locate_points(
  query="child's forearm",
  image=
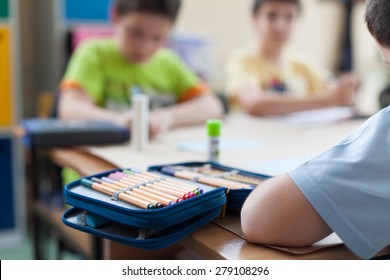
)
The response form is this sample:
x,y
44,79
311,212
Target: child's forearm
x,y
196,111
278,213
76,105
258,103
263,106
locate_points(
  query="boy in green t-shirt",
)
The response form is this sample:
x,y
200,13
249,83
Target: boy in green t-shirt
x,y
101,73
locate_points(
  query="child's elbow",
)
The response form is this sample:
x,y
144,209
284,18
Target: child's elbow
x,y
215,106
248,230
63,109
256,220
248,226
254,109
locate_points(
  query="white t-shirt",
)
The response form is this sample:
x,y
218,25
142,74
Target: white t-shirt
x,y
349,186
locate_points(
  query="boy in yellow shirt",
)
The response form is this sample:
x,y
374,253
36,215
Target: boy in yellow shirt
x,y
269,80
345,190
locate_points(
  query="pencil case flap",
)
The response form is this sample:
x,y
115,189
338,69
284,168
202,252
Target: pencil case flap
x,y
137,237
95,202
236,197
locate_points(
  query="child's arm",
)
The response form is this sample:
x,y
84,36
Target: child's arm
x,y
341,93
78,105
277,213
193,112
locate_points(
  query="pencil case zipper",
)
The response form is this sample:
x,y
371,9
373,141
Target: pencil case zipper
x,y
155,218
150,243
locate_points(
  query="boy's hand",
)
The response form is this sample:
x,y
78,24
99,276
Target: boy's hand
x,y
160,121
123,119
343,91
352,80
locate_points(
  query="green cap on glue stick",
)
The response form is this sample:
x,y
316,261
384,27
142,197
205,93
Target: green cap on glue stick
x,y
214,127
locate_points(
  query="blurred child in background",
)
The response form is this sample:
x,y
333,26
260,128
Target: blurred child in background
x,y
101,73
270,80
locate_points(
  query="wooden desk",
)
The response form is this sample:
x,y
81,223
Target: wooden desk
x,y
279,141
217,243
276,141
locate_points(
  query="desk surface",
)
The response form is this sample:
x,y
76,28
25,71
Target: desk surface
x,y
214,241
278,141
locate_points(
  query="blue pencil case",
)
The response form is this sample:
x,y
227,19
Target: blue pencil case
x,y
110,215
236,197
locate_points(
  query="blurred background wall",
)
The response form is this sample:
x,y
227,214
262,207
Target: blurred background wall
x,y
226,23
37,37
319,35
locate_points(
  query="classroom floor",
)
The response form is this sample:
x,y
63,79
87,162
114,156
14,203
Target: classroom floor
x,y
24,251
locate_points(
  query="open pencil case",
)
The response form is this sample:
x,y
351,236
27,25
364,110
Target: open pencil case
x,y
108,216
236,197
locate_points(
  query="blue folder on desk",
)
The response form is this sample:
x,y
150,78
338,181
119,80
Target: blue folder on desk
x,y
49,133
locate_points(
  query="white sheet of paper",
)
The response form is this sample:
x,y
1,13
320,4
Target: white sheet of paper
x,y
227,144
319,117
330,241
277,166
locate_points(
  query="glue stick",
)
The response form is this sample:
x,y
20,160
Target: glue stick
x,y
140,126
214,132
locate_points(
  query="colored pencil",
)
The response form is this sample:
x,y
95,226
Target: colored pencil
x,y
201,178
125,197
159,198
208,170
230,176
148,175
115,186
157,186
135,182
157,201
176,184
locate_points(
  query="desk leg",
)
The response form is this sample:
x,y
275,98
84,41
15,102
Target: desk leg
x,y
97,248
34,196
38,253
